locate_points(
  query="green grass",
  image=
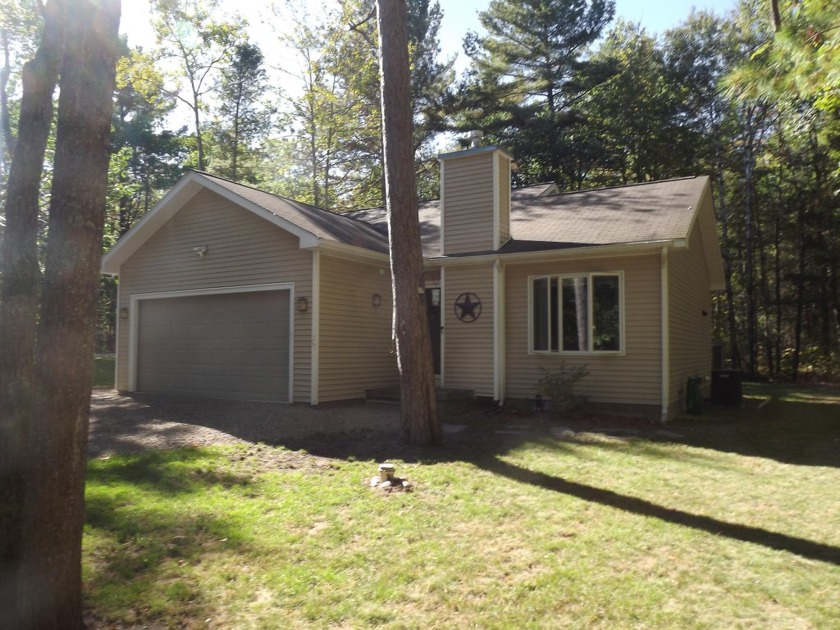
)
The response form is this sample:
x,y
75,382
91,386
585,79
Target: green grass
x,y
731,519
103,371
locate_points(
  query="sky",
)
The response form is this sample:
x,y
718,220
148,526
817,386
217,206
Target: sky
x,y
459,16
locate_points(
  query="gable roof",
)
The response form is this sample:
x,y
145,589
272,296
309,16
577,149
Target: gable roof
x,y
542,219
313,226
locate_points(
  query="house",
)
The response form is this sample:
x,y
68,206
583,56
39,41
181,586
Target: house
x,y
228,291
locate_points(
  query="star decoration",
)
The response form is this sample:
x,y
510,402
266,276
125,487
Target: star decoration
x,y
467,307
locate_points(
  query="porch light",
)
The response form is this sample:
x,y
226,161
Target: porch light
x,y
302,305
123,313
376,300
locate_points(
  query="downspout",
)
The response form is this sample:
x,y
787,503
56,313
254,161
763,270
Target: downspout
x,y
499,341
666,338
314,380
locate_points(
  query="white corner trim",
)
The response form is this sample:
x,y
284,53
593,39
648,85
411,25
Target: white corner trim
x,y
496,201
315,367
666,338
442,207
117,333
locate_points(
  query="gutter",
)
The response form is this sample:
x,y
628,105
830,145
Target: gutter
x,y
589,251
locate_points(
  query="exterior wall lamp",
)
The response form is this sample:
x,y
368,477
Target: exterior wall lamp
x,y
301,305
376,300
123,313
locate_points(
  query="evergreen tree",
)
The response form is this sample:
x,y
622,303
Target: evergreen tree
x,y
529,75
244,117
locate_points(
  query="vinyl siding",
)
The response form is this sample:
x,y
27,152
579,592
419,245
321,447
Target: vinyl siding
x,y
468,204
468,347
632,378
503,185
242,250
690,330
355,351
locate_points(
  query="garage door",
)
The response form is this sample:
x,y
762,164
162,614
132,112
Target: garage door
x,y
233,345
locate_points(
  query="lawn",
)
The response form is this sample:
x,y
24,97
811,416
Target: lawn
x,y
730,519
103,371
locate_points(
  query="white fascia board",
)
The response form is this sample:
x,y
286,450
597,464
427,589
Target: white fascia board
x,y
307,239
161,212
172,202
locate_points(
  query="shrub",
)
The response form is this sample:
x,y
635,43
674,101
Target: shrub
x,y
558,385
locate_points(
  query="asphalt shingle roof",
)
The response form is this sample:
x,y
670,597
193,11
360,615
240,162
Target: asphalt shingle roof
x,y
654,211
321,223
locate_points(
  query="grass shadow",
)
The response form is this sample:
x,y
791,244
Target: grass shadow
x,y
744,533
791,425
142,545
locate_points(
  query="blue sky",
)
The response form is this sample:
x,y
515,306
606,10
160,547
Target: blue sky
x,y
656,16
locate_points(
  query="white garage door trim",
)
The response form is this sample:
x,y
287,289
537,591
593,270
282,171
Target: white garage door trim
x,y
134,319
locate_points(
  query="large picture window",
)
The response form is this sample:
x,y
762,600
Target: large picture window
x,y
576,313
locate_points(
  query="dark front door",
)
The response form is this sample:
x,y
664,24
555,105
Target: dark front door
x,y
433,311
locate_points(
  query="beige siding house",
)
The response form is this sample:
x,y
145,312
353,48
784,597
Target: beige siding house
x,y
231,292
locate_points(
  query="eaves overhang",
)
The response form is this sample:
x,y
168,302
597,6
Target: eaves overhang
x,y
611,250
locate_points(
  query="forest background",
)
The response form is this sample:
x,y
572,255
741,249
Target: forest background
x,y
580,97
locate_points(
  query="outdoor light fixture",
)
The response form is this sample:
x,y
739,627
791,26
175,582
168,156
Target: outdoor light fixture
x,y
302,305
123,313
376,300
200,250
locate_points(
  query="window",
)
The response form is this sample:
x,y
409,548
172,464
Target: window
x,y
580,313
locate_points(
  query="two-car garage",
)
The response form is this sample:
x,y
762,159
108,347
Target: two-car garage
x,y
230,343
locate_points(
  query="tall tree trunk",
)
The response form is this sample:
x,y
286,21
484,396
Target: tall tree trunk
x,y
800,297
19,298
8,141
53,512
749,275
726,242
420,421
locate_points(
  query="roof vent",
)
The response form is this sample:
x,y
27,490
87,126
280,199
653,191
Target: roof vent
x,y
475,138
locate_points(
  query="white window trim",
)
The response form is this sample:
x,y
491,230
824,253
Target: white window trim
x,y
579,353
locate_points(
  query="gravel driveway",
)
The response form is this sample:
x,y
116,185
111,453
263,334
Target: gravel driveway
x,y
125,424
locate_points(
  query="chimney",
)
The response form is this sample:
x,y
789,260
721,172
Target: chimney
x,y
474,198
475,138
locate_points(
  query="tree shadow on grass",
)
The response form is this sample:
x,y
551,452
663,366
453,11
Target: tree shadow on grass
x,y
138,568
792,433
484,450
802,432
744,533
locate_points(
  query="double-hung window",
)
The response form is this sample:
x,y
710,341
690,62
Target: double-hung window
x,y
577,313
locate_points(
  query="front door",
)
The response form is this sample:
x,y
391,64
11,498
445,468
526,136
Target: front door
x,y
433,312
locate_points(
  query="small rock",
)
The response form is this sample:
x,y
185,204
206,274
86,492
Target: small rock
x,y
385,485
407,485
562,433
375,481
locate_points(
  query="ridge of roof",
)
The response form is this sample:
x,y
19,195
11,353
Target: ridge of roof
x,y
631,185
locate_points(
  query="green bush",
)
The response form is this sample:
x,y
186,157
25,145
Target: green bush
x,y
558,385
